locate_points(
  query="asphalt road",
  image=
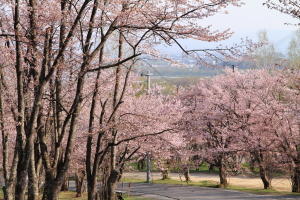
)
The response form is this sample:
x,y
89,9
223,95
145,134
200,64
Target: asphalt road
x,y
177,192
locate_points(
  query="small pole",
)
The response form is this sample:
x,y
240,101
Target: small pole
x,y
148,75
148,160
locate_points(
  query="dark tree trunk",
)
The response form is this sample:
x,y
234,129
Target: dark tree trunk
x,y
112,184
186,174
107,190
53,185
141,164
79,181
51,190
65,185
8,193
33,184
264,177
223,175
21,175
263,169
211,168
296,178
165,174
21,183
91,191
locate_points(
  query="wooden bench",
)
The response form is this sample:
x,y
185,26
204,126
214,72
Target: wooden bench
x,y
119,194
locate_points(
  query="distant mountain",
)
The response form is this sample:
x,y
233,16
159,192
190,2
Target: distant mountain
x,y
160,68
280,39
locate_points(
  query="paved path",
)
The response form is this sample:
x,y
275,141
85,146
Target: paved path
x,y
177,192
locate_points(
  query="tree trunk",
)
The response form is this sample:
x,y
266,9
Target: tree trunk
x,y
165,174
223,175
91,170
51,189
264,177
65,185
9,175
33,184
186,174
21,175
79,181
91,191
91,173
296,178
141,164
107,191
211,168
148,165
8,193
112,184
21,184
263,170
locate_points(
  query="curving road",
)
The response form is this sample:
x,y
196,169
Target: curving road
x,y
177,192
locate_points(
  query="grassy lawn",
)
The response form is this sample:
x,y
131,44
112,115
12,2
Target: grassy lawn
x,y
261,191
199,183
215,185
71,195
175,182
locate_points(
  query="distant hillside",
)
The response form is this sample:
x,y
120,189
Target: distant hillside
x,y
189,68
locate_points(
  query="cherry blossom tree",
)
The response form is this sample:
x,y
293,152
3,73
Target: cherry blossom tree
x,y
135,119
210,125
289,7
52,48
242,113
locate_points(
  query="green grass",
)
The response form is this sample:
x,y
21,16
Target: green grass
x,y
174,182
261,191
1,193
132,180
177,182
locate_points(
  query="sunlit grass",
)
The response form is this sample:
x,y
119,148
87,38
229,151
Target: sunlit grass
x,y
174,182
71,195
198,183
261,191
132,180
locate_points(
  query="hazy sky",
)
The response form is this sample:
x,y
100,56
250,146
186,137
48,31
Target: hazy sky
x,y
247,21
253,16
